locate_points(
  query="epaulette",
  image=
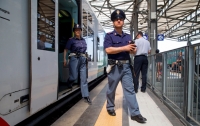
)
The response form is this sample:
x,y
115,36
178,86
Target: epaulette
x,y
71,38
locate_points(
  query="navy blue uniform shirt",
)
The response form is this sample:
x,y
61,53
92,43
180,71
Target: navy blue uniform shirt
x,y
76,45
113,39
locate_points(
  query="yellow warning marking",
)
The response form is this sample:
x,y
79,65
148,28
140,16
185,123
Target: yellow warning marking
x,y
105,119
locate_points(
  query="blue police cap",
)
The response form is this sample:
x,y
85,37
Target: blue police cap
x,y
77,26
118,14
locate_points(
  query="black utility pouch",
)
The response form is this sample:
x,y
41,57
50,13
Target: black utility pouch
x,y
78,54
111,62
120,64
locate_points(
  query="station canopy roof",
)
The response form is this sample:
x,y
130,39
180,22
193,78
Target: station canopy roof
x,y
176,19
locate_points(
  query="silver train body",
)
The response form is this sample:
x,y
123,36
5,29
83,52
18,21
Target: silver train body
x,y
31,78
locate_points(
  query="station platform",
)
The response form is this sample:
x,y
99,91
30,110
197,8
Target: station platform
x,y
82,114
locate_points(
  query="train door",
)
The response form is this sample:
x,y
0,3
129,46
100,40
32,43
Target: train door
x,y
67,16
44,53
65,32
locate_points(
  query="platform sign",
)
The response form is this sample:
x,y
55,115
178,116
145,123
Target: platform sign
x,y
145,36
160,37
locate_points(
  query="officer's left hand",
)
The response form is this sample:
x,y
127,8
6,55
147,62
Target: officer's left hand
x,y
132,52
134,45
129,47
134,49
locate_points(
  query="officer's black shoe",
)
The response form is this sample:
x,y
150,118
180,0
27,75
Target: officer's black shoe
x,y
111,112
87,99
69,84
139,118
143,91
136,91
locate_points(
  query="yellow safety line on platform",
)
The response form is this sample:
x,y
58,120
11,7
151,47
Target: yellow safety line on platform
x,y
106,120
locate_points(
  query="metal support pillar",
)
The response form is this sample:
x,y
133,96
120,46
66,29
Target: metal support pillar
x,y
95,42
152,24
134,20
131,27
135,17
79,3
191,69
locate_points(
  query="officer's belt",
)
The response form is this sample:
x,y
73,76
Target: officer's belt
x,y
118,62
77,54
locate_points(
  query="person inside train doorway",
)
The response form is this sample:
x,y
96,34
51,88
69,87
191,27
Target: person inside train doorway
x,y
41,42
77,61
141,61
117,45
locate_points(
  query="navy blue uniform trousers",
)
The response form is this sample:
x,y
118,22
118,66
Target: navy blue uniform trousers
x,y
123,74
78,64
140,64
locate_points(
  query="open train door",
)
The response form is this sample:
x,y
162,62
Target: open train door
x,y
44,53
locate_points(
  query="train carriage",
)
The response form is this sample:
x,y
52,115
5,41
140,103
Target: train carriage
x,y
33,78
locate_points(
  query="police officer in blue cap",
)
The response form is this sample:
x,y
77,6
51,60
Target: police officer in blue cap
x,y
77,61
117,45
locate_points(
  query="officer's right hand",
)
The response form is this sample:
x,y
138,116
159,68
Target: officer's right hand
x,y
129,47
65,62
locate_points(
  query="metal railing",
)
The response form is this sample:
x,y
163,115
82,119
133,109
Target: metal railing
x,y
174,76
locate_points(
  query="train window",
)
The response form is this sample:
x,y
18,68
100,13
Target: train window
x,y
90,44
46,25
84,26
90,18
100,52
88,34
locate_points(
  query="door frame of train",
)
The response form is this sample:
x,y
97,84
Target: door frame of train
x,y
43,66
63,71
